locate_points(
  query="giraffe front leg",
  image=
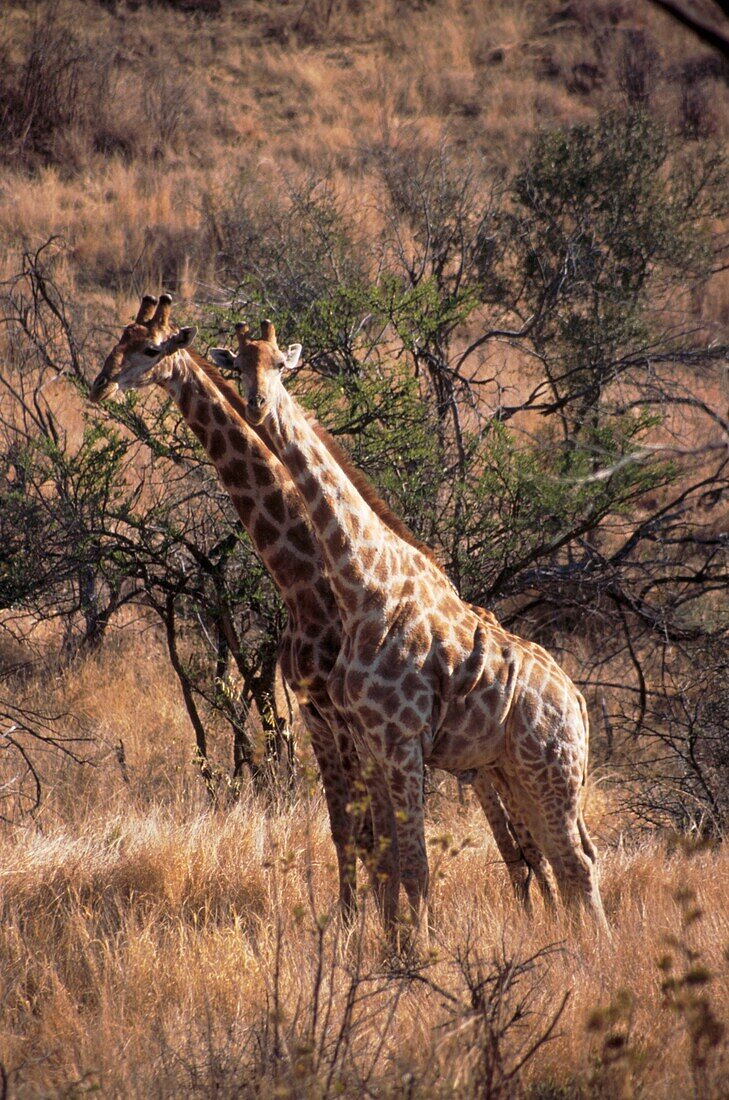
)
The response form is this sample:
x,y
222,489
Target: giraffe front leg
x,y
338,795
403,769
383,861
372,799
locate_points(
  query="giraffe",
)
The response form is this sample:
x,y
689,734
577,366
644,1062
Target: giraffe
x,y
521,856
421,678
153,351
212,408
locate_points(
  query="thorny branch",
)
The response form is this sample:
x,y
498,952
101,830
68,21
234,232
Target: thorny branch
x,y
26,738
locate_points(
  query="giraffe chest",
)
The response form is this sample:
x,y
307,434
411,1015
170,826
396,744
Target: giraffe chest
x,y
307,656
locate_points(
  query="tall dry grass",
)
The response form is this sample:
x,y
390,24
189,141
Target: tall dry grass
x,y
161,953
151,946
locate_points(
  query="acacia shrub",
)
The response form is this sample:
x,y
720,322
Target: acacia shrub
x,y
128,512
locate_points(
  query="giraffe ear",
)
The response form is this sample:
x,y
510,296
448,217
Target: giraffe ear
x,y
177,341
222,358
183,339
291,356
185,336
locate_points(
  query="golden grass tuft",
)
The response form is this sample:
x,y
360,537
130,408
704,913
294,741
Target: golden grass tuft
x,y
161,938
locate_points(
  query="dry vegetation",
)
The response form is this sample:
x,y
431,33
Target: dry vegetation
x,y
133,122
151,946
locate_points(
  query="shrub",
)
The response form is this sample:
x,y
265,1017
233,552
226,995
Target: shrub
x,y
71,94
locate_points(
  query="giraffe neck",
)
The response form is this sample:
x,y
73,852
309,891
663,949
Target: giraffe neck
x,y
362,556
262,493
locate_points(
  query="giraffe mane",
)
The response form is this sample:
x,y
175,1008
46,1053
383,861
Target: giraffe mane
x,y
361,482
367,491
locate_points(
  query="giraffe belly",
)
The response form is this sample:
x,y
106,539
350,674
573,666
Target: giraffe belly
x,y
472,734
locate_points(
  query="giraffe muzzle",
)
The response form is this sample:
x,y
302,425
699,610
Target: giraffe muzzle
x,y
101,388
256,409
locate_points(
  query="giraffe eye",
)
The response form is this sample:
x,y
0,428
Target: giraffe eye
x,y
151,352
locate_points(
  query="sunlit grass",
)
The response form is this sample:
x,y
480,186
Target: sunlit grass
x,y
150,945
156,936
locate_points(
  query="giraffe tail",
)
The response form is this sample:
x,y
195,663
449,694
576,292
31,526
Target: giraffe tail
x,y
586,724
587,846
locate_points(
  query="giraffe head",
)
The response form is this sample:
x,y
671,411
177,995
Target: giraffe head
x,y
141,356
259,364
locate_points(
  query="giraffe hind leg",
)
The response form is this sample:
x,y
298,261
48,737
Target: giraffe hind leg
x,y
532,855
510,850
578,881
538,864
551,806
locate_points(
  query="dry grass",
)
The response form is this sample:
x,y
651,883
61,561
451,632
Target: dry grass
x,y
142,955
151,947
122,224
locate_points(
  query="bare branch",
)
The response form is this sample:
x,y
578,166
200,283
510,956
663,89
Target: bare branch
x,y
704,30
